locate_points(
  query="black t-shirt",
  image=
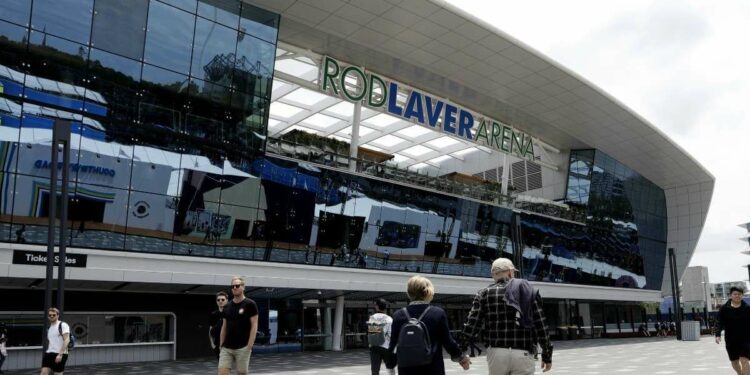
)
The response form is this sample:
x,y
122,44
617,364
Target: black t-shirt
x,y
735,321
238,322
215,321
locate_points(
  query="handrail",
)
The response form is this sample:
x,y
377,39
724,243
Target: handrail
x,y
487,192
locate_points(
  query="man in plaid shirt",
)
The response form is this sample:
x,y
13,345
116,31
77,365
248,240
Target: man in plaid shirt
x,y
508,315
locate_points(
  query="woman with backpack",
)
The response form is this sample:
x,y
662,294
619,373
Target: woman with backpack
x,y
420,332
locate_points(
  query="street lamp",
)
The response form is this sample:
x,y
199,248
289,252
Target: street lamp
x,y
705,293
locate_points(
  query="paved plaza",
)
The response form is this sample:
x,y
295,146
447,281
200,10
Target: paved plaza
x,y
584,357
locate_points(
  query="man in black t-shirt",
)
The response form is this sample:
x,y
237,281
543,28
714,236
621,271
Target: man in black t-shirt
x,y
238,330
734,320
215,322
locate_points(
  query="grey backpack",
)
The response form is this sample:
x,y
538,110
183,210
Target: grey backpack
x,y
375,332
414,344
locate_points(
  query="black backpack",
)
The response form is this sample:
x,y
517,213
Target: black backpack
x,y
414,344
72,342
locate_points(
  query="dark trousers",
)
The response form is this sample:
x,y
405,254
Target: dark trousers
x,y
378,354
2,359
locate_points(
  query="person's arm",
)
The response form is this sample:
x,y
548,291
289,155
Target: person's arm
x,y
447,341
253,331
398,322
542,333
223,333
474,322
719,326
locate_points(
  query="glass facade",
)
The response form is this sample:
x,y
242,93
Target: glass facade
x,y
623,243
164,99
167,102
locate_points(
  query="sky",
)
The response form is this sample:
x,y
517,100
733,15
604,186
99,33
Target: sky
x,y
683,65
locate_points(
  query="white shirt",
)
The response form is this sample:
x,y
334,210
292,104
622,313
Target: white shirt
x,y
55,339
381,318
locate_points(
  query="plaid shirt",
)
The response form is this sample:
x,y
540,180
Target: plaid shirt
x,y
496,322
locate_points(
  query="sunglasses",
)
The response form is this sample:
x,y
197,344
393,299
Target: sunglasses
x,y
52,315
237,286
220,300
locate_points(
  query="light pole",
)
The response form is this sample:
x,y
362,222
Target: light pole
x,y
705,285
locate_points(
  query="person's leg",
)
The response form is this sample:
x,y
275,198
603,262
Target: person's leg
x,y
242,359
498,361
225,361
736,367
521,363
745,364
375,358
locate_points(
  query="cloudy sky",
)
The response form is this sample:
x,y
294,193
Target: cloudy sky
x,y
683,65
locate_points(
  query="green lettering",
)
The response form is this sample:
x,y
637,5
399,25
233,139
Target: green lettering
x,y
529,148
505,144
383,90
482,133
330,76
495,133
516,143
362,79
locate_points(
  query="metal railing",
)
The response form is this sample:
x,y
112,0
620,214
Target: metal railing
x,y
484,191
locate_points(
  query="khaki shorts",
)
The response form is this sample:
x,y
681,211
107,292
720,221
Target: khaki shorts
x,y
240,358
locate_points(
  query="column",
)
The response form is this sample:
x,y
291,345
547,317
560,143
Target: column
x,y
506,173
327,340
338,324
354,142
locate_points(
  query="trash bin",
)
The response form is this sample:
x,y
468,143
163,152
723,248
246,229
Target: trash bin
x,y
691,330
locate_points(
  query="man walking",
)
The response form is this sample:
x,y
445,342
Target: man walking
x,y
734,320
58,337
216,321
238,330
379,337
510,311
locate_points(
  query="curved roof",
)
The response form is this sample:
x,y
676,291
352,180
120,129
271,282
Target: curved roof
x,y
441,49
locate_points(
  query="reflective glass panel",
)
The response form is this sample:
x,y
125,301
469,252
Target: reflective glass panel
x,y
120,27
16,11
169,38
259,22
69,19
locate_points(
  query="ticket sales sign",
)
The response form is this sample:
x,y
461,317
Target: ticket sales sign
x,y
380,93
39,258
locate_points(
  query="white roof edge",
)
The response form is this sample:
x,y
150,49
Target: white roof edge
x,y
462,13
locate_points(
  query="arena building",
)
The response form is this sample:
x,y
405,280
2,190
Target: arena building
x,y
327,151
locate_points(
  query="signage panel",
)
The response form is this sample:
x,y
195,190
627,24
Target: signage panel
x,y
422,108
39,258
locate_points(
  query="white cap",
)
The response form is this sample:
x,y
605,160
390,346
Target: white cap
x,y
502,264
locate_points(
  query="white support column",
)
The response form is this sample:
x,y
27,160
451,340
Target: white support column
x,y
354,142
506,174
327,342
338,324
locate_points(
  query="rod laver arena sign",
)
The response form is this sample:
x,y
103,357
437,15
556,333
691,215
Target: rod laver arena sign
x,y
422,108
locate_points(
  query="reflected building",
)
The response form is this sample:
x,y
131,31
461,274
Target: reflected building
x,y
182,175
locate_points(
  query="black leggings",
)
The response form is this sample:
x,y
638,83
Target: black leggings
x,y
378,354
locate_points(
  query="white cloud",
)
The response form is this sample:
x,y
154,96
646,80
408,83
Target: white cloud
x,y
682,65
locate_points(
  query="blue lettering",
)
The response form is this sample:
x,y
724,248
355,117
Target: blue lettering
x,y
414,107
433,114
450,119
392,96
465,123
38,164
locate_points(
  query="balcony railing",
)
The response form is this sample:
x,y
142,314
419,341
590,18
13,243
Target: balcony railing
x,y
485,191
